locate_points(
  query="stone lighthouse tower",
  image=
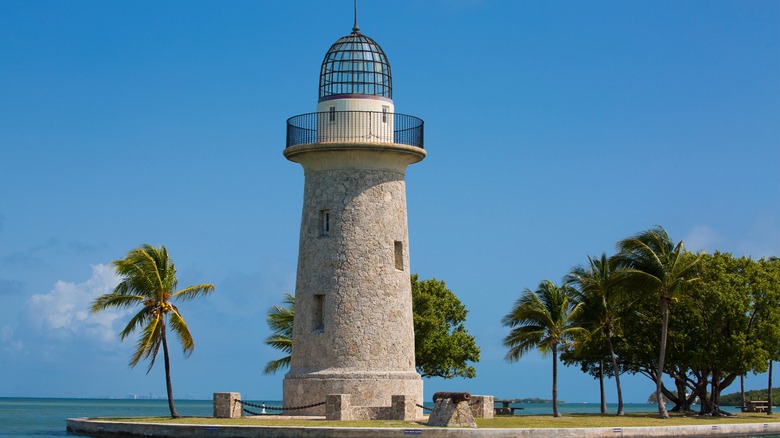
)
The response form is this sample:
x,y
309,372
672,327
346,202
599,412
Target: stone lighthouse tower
x,y
353,331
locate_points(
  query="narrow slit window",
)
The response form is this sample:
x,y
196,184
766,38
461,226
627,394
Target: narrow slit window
x,y
325,223
319,306
384,114
332,114
399,255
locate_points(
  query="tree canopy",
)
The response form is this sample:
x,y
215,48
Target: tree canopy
x,y
544,319
443,347
717,317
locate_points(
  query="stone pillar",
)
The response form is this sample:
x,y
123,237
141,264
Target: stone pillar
x,y
226,405
403,408
338,407
482,406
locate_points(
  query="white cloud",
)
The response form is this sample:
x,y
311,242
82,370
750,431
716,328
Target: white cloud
x,y
702,237
63,314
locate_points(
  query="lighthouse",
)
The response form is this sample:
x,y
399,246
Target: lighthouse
x,y
353,332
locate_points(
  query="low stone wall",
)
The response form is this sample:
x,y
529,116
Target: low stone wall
x,y
339,407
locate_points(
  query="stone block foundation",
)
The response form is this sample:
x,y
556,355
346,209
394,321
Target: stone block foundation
x,y
339,407
226,405
482,406
366,389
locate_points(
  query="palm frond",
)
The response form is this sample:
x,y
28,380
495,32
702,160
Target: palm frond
x,y
150,336
191,292
136,321
280,319
541,319
153,353
279,342
115,300
275,365
179,327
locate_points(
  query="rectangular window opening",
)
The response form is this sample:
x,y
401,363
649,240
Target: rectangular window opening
x,y
332,114
399,255
319,306
325,223
384,114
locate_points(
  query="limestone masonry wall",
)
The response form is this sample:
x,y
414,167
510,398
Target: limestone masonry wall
x,y
353,331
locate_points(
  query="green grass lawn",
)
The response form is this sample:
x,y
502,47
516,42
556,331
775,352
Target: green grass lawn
x,y
517,421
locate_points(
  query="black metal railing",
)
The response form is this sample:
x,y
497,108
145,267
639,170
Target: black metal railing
x,y
355,126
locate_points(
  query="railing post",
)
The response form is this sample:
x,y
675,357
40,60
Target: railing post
x,y
338,407
226,405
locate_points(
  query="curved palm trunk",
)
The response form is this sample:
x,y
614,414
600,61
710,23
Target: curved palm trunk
x,y
601,388
555,382
174,414
659,375
620,411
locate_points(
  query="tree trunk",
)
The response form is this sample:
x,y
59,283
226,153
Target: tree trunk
x,y
601,388
769,391
700,388
742,392
168,385
682,401
715,394
661,356
555,381
616,370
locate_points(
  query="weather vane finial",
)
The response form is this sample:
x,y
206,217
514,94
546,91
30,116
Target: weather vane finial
x,y
356,28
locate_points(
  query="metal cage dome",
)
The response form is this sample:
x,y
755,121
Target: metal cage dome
x,y
355,64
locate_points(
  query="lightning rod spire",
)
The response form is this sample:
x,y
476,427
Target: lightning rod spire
x,y
356,28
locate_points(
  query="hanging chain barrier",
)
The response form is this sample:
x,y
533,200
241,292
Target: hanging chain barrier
x,y
313,405
273,408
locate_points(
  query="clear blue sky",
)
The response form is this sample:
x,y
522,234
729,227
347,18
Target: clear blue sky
x,y
553,130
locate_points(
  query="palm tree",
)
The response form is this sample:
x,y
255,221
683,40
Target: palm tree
x,y
601,296
280,320
149,279
543,319
652,263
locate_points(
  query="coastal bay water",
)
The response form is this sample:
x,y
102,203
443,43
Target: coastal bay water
x,y
45,417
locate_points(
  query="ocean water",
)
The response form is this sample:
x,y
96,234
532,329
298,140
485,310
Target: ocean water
x,y
45,417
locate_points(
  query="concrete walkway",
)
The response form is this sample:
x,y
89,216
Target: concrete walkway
x,y
97,428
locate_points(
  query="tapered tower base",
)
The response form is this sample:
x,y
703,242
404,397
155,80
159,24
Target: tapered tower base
x,y
366,389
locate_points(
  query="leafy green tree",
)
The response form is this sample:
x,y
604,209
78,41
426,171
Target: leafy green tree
x,y
280,320
544,319
652,263
442,344
149,279
719,318
600,294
